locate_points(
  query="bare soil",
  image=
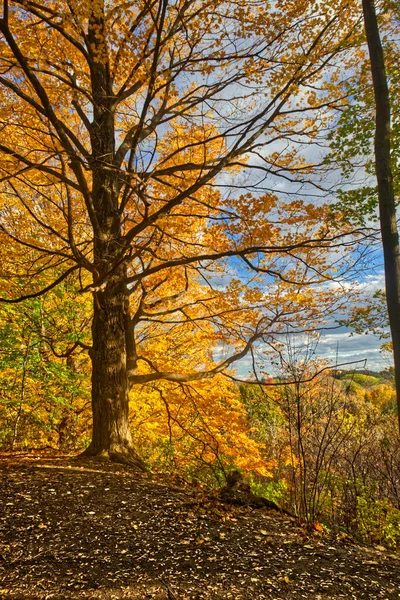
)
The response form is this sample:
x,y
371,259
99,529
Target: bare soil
x,y
73,529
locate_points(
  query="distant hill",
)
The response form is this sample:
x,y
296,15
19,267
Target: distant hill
x,y
386,376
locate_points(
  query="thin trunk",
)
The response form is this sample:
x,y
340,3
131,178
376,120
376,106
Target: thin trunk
x,y
21,397
387,206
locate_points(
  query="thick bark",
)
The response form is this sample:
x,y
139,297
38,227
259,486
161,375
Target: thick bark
x,y
387,205
111,437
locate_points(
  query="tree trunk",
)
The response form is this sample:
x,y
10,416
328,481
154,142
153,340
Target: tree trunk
x,y
111,437
387,205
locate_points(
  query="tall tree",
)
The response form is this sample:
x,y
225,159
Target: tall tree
x,y
384,176
367,139
122,124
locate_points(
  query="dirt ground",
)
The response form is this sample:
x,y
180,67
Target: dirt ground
x,y
90,530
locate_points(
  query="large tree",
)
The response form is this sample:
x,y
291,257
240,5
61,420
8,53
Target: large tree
x,y
122,126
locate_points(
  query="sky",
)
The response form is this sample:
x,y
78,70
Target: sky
x,y
336,345
339,347
341,344
349,346
352,348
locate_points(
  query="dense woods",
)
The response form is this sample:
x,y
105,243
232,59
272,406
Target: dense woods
x,y
181,214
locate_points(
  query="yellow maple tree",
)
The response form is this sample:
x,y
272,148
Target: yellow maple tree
x,y
126,129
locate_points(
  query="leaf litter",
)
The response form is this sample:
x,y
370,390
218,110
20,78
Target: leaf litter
x,y
88,530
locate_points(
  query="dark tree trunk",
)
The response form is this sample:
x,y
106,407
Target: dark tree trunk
x,y
111,437
387,206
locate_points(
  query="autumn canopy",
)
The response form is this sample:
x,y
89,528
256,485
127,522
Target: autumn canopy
x,y
155,159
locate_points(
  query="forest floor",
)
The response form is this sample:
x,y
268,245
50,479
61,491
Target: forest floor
x,y
88,530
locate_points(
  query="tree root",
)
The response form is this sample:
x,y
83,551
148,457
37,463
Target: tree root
x,y
117,454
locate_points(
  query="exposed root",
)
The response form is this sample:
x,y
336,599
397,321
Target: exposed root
x,y
117,454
